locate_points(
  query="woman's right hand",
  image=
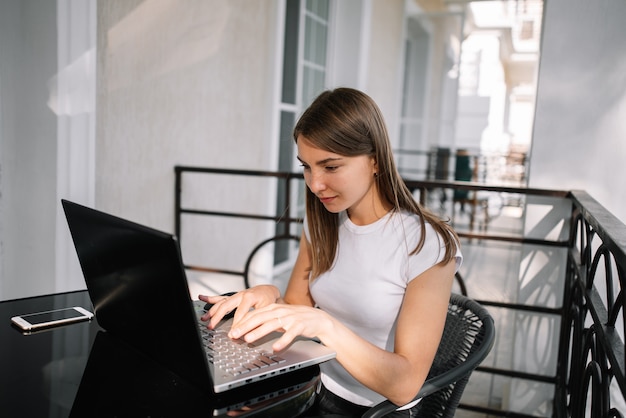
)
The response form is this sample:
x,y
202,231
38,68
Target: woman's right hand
x,y
241,302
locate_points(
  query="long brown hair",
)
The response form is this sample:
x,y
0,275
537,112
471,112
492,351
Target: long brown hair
x,y
348,122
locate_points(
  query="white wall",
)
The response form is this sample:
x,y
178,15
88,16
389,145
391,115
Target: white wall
x,y
367,52
179,83
186,84
73,100
579,139
27,147
383,58
347,43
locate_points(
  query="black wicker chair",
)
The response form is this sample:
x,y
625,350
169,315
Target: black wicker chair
x,y
467,339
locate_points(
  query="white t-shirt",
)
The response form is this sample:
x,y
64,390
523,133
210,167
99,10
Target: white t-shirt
x,y
365,287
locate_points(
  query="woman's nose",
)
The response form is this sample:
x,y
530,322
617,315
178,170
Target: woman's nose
x,y
316,182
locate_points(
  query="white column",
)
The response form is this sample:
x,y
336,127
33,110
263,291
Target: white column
x,y
72,98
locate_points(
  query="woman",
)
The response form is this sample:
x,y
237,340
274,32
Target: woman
x,y
374,270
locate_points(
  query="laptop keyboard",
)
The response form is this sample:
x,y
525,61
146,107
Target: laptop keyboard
x,y
235,357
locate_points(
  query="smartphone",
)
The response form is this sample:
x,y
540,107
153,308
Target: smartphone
x,y
47,319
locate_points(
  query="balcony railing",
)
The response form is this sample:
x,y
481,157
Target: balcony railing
x,y
548,264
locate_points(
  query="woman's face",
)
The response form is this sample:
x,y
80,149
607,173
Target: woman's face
x,y
340,182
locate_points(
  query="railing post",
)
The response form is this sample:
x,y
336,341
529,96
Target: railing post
x,y
565,341
177,200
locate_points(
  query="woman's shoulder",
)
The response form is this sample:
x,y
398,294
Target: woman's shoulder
x,y
406,218
414,224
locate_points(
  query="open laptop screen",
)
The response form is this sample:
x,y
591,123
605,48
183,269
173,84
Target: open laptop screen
x,y
137,284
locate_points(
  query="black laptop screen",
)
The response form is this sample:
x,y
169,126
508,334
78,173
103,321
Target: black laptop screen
x,y
137,284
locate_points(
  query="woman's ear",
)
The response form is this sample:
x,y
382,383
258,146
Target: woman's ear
x,y
375,167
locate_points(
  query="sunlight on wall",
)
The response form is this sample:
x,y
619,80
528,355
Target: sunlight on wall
x,y
145,45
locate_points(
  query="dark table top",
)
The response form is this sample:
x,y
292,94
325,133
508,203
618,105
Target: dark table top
x,y
78,370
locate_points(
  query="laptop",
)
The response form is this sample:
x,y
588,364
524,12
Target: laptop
x,y
137,284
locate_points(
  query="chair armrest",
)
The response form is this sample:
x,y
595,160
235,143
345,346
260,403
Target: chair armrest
x,y
442,380
380,410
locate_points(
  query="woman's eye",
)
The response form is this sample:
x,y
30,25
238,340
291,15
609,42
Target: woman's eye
x,y
332,168
304,166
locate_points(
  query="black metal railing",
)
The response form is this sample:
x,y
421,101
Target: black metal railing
x,y
591,359
588,377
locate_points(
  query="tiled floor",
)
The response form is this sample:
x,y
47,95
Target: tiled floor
x,y
495,271
495,283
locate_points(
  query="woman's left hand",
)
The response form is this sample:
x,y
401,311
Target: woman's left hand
x,y
292,320
239,302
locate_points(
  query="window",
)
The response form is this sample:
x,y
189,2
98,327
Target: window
x,y
304,77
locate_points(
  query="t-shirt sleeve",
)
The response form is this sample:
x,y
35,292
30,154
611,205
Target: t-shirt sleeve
x,y
431,253
305,229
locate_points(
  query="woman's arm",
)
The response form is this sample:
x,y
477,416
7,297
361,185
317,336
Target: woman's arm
x,y
399,375
297,292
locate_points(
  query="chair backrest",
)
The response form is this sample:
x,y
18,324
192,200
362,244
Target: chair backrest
x,y
467,338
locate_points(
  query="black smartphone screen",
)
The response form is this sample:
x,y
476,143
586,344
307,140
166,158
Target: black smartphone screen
x,y
42,317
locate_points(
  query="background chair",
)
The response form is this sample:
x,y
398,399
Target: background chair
x,y
265,266
467,338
